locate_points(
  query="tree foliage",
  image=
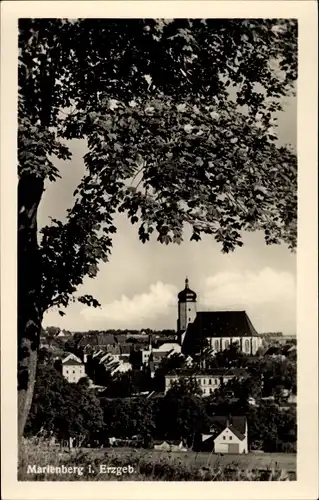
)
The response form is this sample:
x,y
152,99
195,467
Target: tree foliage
x,y
179,131
165,141
125,418
61,409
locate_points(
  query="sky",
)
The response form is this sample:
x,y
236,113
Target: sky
x,y
138,287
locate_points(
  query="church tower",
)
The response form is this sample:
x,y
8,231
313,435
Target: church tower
x,y
186,308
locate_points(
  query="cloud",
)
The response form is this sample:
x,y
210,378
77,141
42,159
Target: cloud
x,y
139,311
269,296
248,288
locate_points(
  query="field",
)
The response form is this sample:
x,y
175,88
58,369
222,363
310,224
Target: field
x,y
286,461
111,464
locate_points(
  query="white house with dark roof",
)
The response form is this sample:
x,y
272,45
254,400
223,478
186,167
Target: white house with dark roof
x,y
228,434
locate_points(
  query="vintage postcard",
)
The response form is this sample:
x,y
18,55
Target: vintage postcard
x,y
158,250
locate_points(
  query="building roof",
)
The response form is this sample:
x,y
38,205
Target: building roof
x,y
168,346
187,295
223,324
158,356
237,432
212,372
237,424
70,355
125,349
102,339
72,362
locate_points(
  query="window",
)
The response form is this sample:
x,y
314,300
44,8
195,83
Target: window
x,y
226,344
189,309
224,437
66,371
247,345
73,371
217,345
230,437
210,381
204,381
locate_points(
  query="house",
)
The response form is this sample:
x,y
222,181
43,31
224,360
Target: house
x,y
234,436
73,369
156,354
208,380
114,363
170,446
230,434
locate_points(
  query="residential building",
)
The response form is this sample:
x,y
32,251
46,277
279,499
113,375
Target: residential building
x,y
157,354
232,434
73,369
208,380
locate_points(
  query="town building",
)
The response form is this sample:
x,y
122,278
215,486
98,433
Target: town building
x,y
208,381
216,330
227,435
233,438
158,353
73,369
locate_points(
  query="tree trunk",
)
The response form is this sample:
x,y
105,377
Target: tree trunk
x,y
30,190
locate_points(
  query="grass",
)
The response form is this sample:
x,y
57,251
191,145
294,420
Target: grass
x,y
145,465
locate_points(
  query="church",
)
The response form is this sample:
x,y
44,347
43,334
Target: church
x,y
218,329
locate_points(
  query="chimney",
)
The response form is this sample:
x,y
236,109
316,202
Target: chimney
x,y
229,420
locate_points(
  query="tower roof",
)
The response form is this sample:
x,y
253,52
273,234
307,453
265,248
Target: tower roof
x,y
187,295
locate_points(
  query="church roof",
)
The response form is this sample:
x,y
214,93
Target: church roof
x,y
223,324
187,294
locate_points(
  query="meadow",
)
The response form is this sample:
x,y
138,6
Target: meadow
x,y
150,465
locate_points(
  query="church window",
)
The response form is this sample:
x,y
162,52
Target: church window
x,y
226,344
247,345
216,345
210,381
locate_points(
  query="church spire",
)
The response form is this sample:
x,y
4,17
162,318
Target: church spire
x,y
186,283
